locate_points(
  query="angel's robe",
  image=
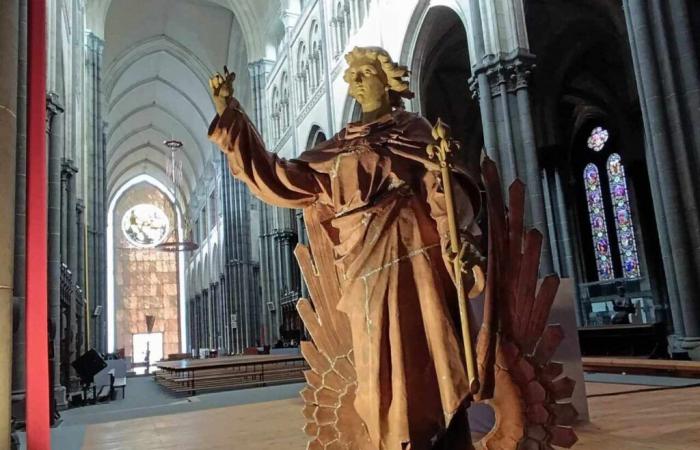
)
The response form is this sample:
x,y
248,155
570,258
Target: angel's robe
x,y
383,213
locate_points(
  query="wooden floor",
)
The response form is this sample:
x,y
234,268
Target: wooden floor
x,y
652,420
620,420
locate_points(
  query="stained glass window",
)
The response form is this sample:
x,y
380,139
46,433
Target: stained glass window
x,y
623,217
597,139
599,229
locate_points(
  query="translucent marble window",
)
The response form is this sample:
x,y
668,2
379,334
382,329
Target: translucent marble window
x,y
597,139
623,217
145,225
599,229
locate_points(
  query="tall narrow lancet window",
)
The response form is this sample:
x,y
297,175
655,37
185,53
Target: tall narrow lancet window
x,y
623,217
316,60
609,210
340,20
347,15
599,229
360,13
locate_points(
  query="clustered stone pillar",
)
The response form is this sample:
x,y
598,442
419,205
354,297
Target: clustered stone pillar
x,y
259,71
266,271
9,50
566,257
265,308
69,230
240,297
558,217
94,281
302,238
80,311
666,69
69,257
55,144
500,78
278,266
20,215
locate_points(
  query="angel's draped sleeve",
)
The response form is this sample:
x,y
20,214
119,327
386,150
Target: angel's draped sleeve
x,y
274,180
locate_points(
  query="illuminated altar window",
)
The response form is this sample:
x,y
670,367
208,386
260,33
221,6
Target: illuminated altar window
x,y
597,139
623,217
599,229
145,225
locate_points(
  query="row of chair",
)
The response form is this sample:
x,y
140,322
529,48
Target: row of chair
x,y
112,377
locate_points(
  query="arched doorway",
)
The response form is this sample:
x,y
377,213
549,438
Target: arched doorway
x,y
440,78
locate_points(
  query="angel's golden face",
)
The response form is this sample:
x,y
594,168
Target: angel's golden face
x,y
366,83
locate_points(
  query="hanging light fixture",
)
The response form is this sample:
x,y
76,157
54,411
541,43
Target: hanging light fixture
x,y
175,175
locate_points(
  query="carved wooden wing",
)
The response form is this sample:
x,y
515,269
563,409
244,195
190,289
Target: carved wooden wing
x,y
331,419
520,381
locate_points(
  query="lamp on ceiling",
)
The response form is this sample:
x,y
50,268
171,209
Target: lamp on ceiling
x,y
175,174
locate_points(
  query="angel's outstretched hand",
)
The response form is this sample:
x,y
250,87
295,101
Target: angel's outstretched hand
x,y
221,89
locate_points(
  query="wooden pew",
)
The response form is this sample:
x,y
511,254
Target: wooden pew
x,y
191,376
690,369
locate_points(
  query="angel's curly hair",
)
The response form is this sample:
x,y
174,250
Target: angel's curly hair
x,y
396,75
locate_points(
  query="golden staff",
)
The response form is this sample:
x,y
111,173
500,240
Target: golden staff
x,y
457,248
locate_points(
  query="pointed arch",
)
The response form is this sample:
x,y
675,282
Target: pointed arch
x,y
182,301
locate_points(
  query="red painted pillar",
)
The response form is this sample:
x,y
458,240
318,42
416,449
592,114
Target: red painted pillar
x,y
37,356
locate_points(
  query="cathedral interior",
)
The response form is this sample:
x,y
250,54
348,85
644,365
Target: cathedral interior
x,y
155,252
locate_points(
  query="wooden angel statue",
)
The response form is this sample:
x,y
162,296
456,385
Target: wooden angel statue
x,y
387,356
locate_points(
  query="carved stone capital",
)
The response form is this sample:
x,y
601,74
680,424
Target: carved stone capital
x,y
289,18
54,107
68,168
53,104
512,70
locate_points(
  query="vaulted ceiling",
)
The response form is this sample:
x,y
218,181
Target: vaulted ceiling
x,y
158,55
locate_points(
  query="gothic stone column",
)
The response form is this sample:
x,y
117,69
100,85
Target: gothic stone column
x,y
80,311
9,33
55,143
507,121
94,279
255,324
20,213
502,65
69,257
668,93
